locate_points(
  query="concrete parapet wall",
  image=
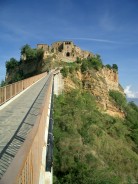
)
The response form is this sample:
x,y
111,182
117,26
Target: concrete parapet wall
x,y
58,84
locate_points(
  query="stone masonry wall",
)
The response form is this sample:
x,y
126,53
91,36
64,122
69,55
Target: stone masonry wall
x,y
65,50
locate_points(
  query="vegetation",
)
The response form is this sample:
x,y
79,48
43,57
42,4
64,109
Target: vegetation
x,y
93,62
65,71
82,65
11,64
32,54
114,67
15,68
131,111
3,83
92,147
119,98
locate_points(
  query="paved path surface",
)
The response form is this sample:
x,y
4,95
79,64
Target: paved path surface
x,y
17,119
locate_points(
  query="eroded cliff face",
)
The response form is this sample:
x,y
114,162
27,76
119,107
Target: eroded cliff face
x,y
99,83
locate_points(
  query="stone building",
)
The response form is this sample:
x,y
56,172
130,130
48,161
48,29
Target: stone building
x,y
64,50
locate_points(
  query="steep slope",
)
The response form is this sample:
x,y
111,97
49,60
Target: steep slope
x,y
99,83
90,146
95,128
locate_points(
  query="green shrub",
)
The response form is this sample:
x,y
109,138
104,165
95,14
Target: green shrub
x,y
78,60
71,69
114,67
93,62
96,62
119,98
65,71
84,66
108,66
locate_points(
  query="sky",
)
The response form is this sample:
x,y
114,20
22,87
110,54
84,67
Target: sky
x,y
105,27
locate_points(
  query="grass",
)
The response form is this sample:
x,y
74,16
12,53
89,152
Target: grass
x,y
91,147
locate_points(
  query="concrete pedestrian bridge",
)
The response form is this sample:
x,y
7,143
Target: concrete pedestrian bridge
x,y
26,125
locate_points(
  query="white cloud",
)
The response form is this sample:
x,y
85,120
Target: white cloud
x,y
96,40
130,93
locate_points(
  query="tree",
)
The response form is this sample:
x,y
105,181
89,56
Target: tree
x,y
28,52
32,54
3,83
11,64
108,66
39,54
115,67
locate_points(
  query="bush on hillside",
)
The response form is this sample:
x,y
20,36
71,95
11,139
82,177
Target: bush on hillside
x,y
131,113
93,62
119,98
65,71
11,64
115,67
78,60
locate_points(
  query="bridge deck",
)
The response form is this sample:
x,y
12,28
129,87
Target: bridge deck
x,y
17,119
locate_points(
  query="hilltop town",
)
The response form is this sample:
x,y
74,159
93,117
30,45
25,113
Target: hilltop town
x,y
64,50
85,67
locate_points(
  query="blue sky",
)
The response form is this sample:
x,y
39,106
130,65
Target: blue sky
x,y
106,27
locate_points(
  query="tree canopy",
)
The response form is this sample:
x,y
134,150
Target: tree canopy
x,y
32,54
11,64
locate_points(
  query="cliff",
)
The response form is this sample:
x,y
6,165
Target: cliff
x,y
99,83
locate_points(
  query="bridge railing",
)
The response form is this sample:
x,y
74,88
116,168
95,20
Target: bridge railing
x,y
11,90
25,167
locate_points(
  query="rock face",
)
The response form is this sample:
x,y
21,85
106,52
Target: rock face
x,y
65,51
99,83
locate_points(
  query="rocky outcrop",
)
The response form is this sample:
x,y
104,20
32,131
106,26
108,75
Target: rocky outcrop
x,y
99,83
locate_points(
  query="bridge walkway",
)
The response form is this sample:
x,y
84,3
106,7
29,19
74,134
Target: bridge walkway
x,y
17,119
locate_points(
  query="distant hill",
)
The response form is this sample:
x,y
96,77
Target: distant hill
x,y
135,100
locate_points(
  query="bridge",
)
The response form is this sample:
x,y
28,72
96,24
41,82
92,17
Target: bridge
x,y
26,130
